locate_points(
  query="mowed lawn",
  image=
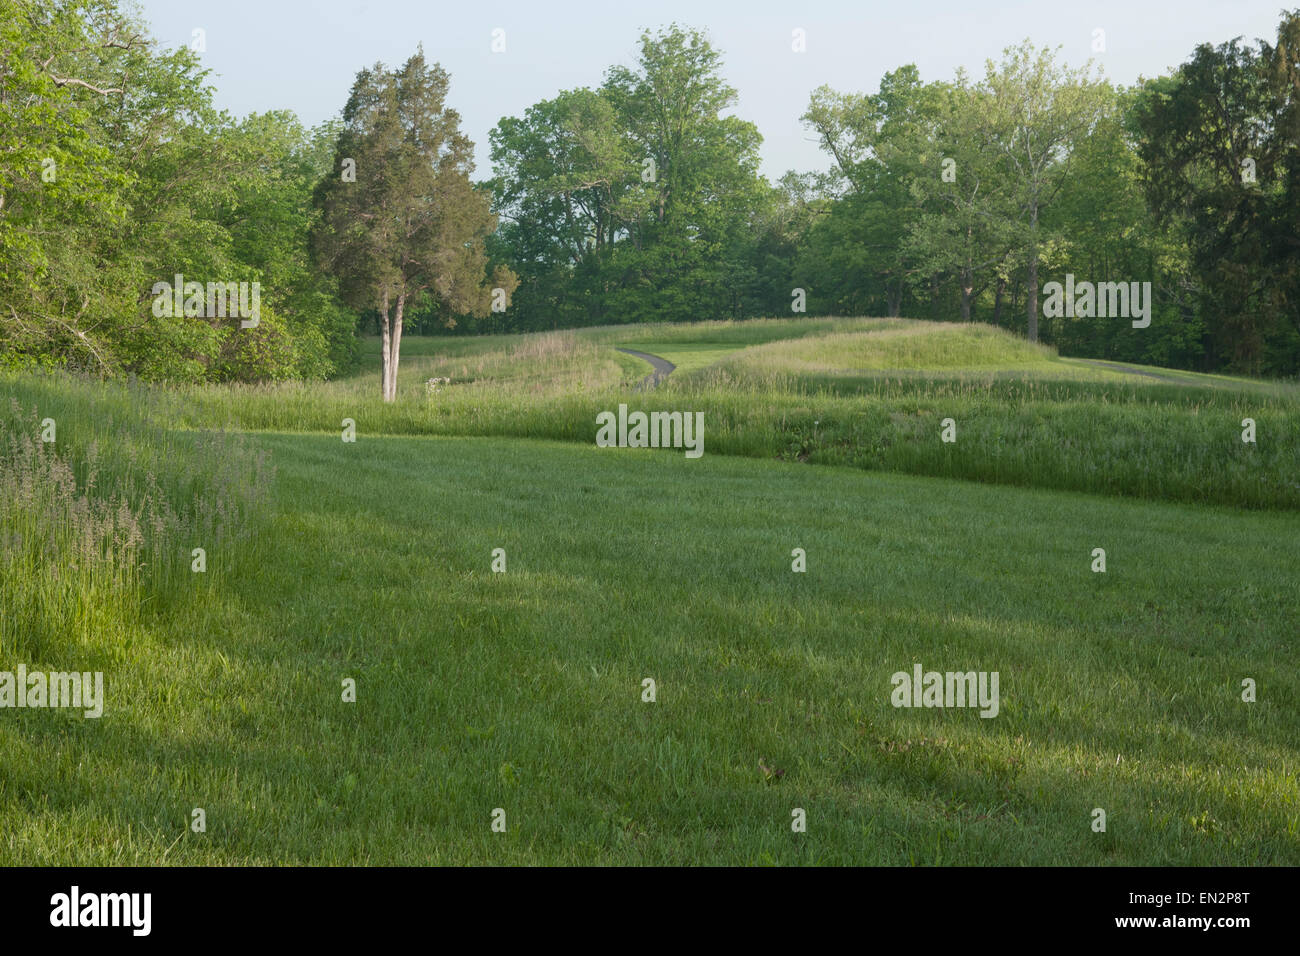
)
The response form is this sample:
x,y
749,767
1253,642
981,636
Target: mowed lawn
x,y
523,690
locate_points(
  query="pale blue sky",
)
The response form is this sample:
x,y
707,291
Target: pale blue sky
x,y
303,54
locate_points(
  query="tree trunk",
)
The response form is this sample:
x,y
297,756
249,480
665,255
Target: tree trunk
x,y
1031,289
997,300
397,347
385,331
966,288
895,299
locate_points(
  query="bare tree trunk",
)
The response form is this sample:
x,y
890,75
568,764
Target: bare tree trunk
x,y
1032,284
895,299
967,286
397,346
386,334
997,301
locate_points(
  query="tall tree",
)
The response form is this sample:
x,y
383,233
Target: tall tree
x,y
567,187
1111,234
400,218
704,182
964,227
1221,153
1044,111
875,142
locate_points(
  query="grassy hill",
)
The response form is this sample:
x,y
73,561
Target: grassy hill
x,y
523,690
867,393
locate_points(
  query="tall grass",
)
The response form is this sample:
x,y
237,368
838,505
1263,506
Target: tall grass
x,y
1024,417
103,521
869,393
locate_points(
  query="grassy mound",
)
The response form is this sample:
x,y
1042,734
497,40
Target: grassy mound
x,y
919,346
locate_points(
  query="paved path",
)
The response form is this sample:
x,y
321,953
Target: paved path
x,y
1116,367
662,368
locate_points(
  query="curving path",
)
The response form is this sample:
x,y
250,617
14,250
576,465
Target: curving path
x,y
662,367
1129,369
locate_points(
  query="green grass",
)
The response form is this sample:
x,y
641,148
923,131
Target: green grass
x,y
112,508
918,346
686,358
522,690
869,393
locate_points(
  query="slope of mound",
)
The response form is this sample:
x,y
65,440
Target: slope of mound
x,y
919,346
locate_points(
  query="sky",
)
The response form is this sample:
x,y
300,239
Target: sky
x,y
304,54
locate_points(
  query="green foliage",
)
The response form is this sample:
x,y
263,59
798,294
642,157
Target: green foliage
x,y
401,219
639,201
116,173
857,259
1220,147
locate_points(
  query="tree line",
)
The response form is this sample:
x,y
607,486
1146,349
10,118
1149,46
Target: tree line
x,y
638,200
958,199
